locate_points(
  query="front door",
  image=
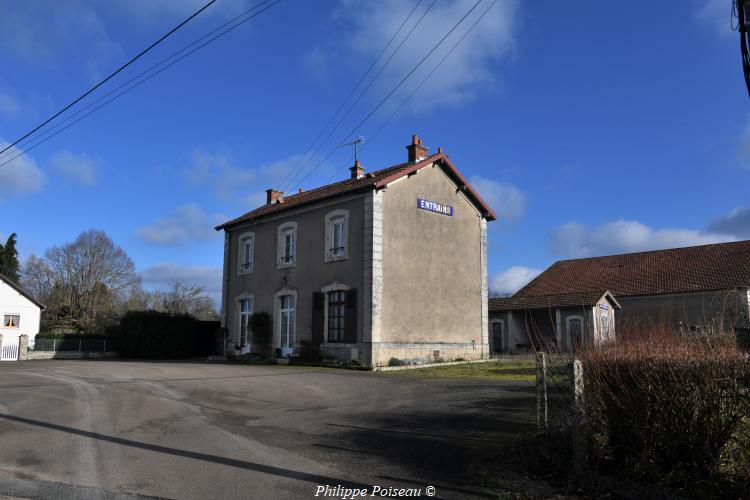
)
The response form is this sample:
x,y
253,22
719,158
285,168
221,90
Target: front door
x,y
497,337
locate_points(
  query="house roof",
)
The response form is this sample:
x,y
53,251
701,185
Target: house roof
x,y
20,290
374,180
719,266
582,299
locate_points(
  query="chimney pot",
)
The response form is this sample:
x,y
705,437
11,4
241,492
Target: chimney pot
x,y
416,151
440,150
273,196
300,191
358,171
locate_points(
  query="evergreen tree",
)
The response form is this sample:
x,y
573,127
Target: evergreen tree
x,y
9,259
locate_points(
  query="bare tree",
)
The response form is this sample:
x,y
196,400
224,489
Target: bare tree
x,y
189,299
82,282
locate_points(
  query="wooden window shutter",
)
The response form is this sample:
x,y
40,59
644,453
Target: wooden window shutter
x,y
318,303
350,317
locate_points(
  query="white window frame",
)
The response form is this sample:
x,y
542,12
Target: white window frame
x,y
238,334
277,318
241,253
283,229
12,327
569,331
332,218
333,287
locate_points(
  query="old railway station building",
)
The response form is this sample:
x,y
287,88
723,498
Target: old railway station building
x,y
384,264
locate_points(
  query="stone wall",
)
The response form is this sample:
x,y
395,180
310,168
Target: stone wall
x,y
70,354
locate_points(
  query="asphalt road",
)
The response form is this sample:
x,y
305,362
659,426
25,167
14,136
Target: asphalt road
x,y
117,429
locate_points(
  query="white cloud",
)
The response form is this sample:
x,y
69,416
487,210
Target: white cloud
x,y
186,224
623,236
507,201
512,279
9,105
717,15
367,27
20,176
736,223
81,168
230,182
161,277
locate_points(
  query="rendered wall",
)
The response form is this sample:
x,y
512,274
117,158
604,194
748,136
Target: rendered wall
x,y
433,272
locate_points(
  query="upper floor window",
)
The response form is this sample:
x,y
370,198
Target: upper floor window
x,y
246,252
287,239
336,240
11,320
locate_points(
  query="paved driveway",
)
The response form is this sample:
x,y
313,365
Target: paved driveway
x,y
117,429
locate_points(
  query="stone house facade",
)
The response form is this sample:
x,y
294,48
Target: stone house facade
x,y
388,264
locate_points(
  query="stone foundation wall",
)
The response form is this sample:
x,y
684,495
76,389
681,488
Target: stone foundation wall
x,y
421,353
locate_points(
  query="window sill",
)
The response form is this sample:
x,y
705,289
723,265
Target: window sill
x,y
336,258
286,265
243,272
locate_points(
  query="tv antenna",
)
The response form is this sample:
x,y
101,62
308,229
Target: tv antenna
x,y
356,142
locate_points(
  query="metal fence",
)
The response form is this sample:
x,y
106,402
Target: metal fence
x,y
80,345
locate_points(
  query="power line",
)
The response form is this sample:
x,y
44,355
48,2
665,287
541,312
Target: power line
x,y
398,85
136,77
429,75
112,75
343,103
21,153
435,68
301,165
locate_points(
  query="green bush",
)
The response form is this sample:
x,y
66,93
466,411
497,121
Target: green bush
x,y
154,335
396,362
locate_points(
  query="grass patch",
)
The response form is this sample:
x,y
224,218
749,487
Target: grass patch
x,y
491,370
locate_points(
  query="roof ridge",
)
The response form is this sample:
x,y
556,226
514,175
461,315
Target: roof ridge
x,y
658,250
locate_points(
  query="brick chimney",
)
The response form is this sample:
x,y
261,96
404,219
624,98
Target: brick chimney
x,y
273,196
358,171
417,152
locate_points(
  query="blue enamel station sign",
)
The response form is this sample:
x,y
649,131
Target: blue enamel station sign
x,y
431,206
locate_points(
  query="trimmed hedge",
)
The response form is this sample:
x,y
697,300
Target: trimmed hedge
x,y
159,335
667,420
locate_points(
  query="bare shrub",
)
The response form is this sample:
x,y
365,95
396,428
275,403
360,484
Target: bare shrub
x,y
666,405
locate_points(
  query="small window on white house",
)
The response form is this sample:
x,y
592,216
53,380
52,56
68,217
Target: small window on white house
x,y
246,253
11,320
336,240
287,250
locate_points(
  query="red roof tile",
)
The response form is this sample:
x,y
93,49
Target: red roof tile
x,y
582,299
374,180
707,267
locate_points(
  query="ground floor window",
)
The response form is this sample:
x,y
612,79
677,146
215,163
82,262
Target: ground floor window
x,y
286,320
245,312
336,308
11,320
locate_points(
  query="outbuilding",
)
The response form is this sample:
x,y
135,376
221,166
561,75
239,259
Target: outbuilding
x,y
552,323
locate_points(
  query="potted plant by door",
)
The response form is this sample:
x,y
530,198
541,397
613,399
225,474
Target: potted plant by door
x,y
280,356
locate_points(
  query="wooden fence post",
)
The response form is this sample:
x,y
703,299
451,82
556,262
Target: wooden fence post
x,y
580,454
541,390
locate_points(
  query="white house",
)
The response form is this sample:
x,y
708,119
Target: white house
x,y
20,314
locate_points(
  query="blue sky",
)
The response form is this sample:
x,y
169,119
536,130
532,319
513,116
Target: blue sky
x,y
589,127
